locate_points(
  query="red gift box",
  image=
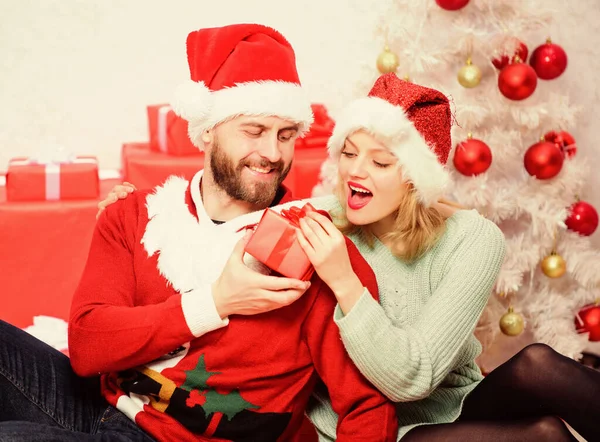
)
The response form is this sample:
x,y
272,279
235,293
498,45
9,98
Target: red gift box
x,y
29,180
168,132
310,153
305,171
274,243
320,130
146,168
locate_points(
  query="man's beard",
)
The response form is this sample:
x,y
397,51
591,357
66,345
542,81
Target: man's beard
x,y
229,177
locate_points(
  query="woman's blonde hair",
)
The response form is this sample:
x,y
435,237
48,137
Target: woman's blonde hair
x,y
416,230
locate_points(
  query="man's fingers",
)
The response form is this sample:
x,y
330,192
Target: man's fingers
x,y
277,283
286,297
274,299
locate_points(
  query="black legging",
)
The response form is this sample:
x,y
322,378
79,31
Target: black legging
x,y
526,399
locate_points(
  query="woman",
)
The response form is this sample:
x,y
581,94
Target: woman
x,y
436,266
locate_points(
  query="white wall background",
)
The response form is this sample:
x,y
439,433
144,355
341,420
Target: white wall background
x,y
80,72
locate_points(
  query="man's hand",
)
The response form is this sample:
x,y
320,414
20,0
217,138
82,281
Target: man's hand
x,y
120,191
242,291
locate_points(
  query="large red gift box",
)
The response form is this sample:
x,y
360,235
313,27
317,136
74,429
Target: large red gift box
x,y
168,132
146,168
43,249
274,243
305,171
310,153
29,180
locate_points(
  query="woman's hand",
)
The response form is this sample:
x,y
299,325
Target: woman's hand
x,y
120,191
326,249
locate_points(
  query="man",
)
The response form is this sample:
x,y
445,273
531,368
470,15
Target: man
x,y
166,307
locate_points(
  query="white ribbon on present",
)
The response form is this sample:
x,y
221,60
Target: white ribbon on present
x,y
52,171
163,111
52,181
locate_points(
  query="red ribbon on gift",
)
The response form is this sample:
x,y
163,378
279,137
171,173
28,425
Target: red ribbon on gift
x,y
275,243
293,214
283,246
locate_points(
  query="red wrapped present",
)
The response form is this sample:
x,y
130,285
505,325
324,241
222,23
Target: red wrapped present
x,y
305,171
310,153
68,179
146,168
274,243
168,132
320,130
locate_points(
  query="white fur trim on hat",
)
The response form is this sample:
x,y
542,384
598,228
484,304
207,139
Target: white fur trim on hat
x,y
204,109
390,125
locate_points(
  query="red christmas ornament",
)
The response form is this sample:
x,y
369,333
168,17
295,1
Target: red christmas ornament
x,y
587,320
543,160
582,218
548,60
472,157
564,141
517,81
452,5
521,52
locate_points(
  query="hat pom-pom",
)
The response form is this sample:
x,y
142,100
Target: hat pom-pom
x,y
192,100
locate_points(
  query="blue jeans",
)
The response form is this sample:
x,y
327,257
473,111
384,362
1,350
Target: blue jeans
x,y
42,399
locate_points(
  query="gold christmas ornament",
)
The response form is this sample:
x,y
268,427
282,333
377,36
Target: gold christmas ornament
x,y
469,75
554,265
387,61
511,323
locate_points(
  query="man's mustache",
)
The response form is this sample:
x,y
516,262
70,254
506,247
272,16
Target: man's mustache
x,y
265,164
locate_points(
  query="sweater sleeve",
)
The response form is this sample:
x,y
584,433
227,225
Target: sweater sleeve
x,y
109,329
407,362
364,414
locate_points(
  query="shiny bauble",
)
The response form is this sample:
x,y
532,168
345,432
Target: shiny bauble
x,y
503,61
517,81
511,323
452,5
387,61
588,321
548,60
583,218
543,160
564,141
469,75
472,157
554,265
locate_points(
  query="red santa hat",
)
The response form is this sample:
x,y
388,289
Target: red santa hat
x,y
242,69
412,121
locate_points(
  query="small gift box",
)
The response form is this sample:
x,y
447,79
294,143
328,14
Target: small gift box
x,y
320,130
168,132
311,152
31,180
274,243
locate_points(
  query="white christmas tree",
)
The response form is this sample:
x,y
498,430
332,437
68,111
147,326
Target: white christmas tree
x,y
453,51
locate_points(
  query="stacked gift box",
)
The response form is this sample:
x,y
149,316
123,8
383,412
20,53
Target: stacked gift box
x,y
67,178
169,151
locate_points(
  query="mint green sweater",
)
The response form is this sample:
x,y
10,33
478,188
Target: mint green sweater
x,y
417,344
